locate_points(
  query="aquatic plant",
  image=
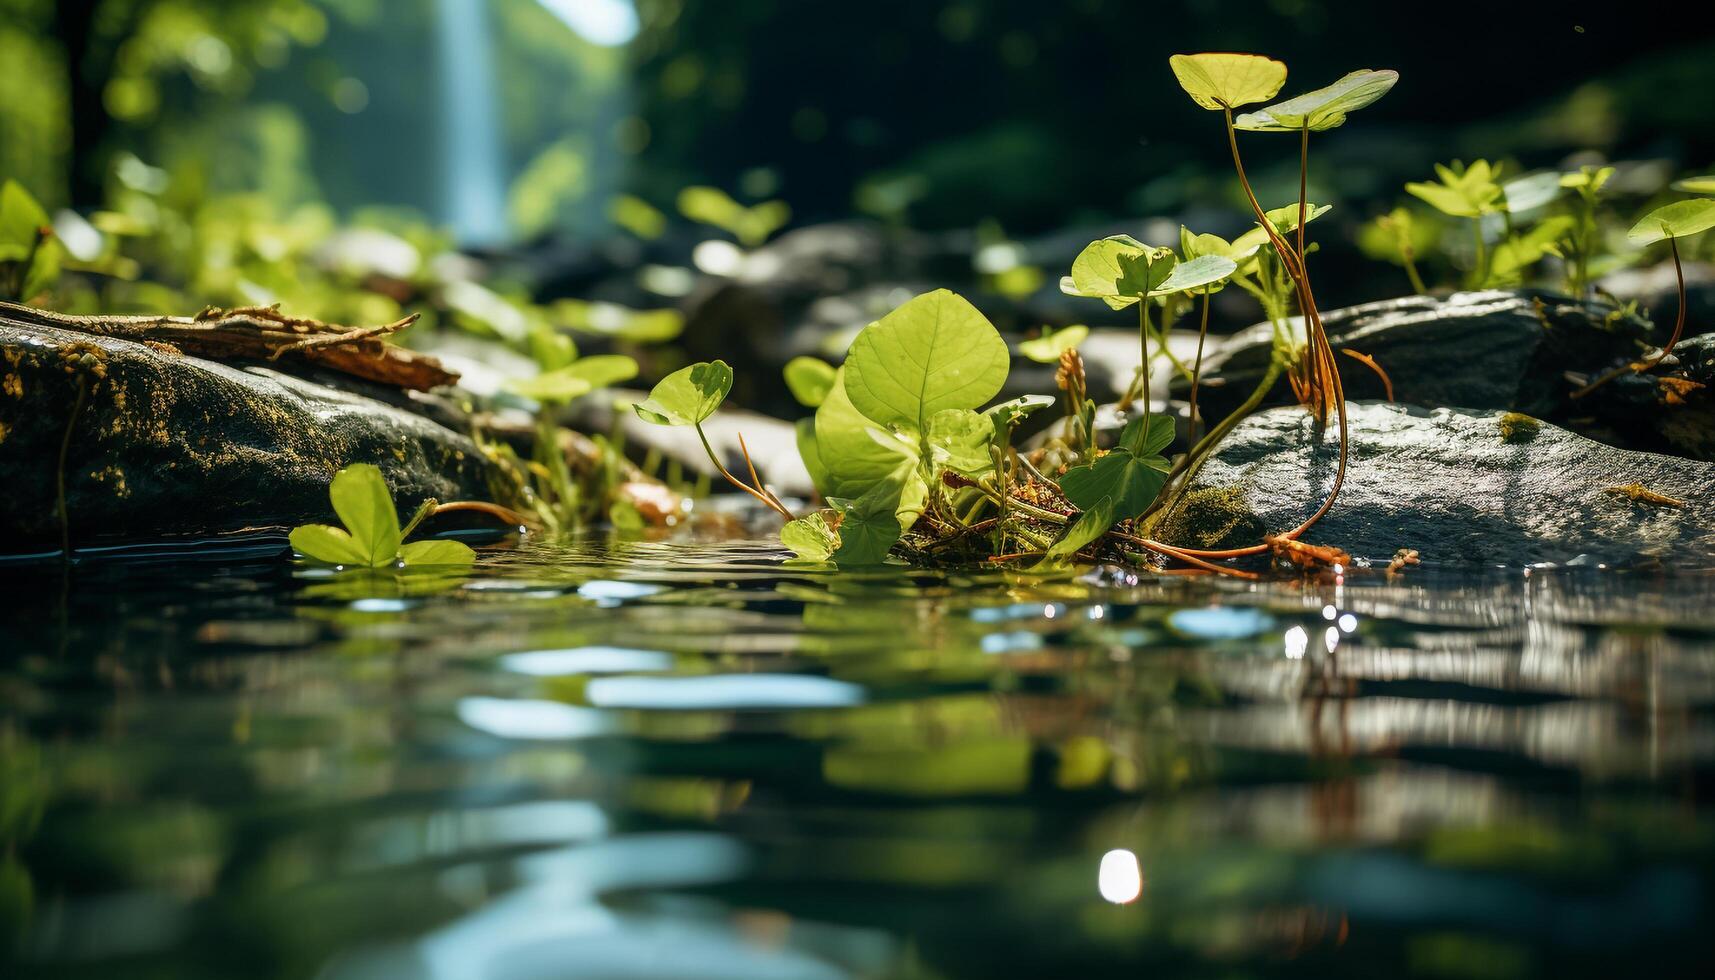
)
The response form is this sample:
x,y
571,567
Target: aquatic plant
x,y
30,255
689,396
750,225
1669,223
372,537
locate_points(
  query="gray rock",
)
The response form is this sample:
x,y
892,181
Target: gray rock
x,y
167,445
1518,351
1447,483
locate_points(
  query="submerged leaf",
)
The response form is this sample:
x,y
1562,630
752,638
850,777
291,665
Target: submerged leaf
x,y
935,352
809,380
688,395
1226,81
1676,220
1323,109
1047,348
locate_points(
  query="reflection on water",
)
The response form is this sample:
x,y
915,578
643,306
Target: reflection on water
x,y
642,760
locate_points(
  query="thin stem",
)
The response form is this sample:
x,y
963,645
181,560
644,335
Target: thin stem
x,y
1143,344
1411,271
504,514
1481,272
1303,184
1197,370
735,481
754,479
1678,328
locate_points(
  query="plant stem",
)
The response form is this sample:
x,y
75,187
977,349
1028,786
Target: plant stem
x,y
735,481
1678,328
1411,272
1197,370
1143,344
1481,272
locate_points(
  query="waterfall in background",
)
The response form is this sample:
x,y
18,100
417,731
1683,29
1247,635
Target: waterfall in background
x,y
473,193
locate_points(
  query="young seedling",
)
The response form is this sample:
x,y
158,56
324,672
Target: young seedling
x,y
1588,183
1472,192
1681,219
689,396
371,537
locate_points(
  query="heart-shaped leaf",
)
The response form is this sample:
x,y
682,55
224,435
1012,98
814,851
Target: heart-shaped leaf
x,y
809,379
1131,474
1323,109
1676,220
851,459
933,353
1227,81
871,524
1047,348
360,498
688,395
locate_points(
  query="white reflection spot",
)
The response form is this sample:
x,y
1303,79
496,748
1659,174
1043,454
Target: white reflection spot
x,y
1120,879
1050,611
1097,612
717,258
531,719
723,692
1331,639
1348,623
1329,612
1297,640
585,660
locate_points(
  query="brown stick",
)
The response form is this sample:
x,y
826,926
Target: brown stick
x,y
261,333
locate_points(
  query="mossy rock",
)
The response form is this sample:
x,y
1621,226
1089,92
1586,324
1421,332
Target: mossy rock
x,y
166,445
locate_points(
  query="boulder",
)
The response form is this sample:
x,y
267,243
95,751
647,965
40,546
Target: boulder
x,y
167,445
1517,351
1461,487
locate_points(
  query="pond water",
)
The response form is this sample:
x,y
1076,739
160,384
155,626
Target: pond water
x,y
688,759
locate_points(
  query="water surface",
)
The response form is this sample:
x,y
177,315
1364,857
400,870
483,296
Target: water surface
x,y
643,759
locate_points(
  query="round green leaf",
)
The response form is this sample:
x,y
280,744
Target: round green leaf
x,y
933,353
1227,81
688,395
1322,109
1676,220
1119,270
1047,348
850,458
809,379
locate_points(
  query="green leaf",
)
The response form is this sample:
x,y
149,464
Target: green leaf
x,y
810,538
551,349
809,379
1047,348
330,545
1009,413
751,226
1197,273
1691,185
871,525
1464,192
1131,474
804,436
1532,191
1194,246
550,386
1090,525
959,441
1119,270
688,395
1323,109
935,352
419,554
360,498
1676,220
21,218
1146,435
1519,252
1227,81
853,459
1285,221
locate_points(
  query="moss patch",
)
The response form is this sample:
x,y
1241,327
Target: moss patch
x,y
1212,517
1516,427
